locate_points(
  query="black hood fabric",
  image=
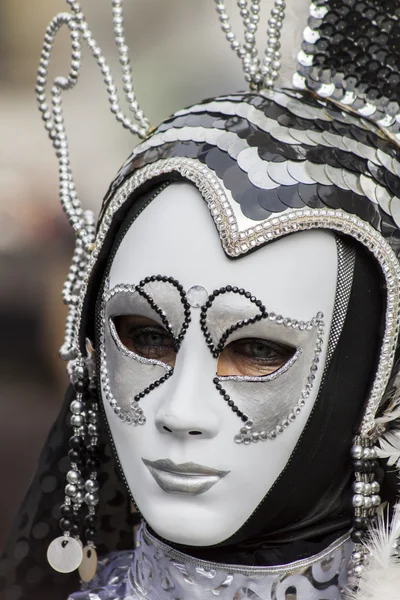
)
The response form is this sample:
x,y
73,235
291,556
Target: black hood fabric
x,y
309,505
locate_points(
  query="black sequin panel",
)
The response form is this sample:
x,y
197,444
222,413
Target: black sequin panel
x,y
351,52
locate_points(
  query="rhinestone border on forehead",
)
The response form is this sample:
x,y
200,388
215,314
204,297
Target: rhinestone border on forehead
x,y
237,242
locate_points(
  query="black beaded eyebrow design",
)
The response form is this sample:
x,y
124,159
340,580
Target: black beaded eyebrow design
x,y
187,314
177,339
263,314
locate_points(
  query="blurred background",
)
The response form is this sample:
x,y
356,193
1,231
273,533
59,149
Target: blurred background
x,y
179,56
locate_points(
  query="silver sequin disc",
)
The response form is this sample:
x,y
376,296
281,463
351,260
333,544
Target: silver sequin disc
x,y
197,296
65,554
88,567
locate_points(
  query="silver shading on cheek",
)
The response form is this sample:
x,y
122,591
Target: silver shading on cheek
x,y
272,402
126,377
132,415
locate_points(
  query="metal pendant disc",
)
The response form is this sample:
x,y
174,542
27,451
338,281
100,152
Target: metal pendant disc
x,y
88,567
64,554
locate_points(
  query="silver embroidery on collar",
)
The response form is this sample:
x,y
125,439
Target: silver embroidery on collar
x,y
158,572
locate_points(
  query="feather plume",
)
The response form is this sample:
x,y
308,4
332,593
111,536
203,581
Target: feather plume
x,y
391,399
381,576
389,448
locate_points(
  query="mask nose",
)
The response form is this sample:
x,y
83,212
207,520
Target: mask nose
x,y
190,407
184,414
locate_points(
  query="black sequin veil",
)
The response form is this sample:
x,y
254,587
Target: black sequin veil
x,y
267,164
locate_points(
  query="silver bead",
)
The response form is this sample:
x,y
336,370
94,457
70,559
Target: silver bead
x,y
93,429
73,477
367,502
357,451
375,487
91,486
376,500
78,498
358,569
76,407
71,490
77,420
91,499
358,500
358,487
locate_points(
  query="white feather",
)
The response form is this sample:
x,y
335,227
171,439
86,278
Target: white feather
x,y
381,576
389,448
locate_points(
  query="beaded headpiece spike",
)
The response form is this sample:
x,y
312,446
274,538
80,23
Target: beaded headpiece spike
x,y
82,221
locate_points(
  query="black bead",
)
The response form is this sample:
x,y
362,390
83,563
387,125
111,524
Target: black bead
x,y
90,521
358,465
235,289
93,451
228,288
76,442
66,510
235,408
65,525
81,385
90,534
215,380
356,536
75,530
92,464
360,523
230,402
75,457
244,418
227,397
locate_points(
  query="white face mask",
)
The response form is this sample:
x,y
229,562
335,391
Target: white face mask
x,y
196,468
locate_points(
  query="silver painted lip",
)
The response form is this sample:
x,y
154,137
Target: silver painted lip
x,y
186,478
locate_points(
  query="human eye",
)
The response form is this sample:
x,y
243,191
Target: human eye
x,y
146,338
253,357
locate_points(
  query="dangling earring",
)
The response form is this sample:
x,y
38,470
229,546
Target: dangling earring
x,y
65,554
365,502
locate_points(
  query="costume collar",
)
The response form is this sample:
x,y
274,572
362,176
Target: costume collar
x,y
155,571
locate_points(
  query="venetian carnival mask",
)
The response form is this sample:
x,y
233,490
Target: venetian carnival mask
x,y
214,355
233,318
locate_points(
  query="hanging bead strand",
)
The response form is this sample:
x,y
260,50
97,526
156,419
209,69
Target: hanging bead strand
x,y
81,221
258,75
272,55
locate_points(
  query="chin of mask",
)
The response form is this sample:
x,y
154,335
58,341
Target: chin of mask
x,y
210,372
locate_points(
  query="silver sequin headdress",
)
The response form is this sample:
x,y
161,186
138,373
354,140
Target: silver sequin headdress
x,y
268,162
